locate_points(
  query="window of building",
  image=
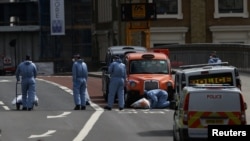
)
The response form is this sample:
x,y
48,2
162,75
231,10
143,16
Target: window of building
x,y
231,8
168,9
231,34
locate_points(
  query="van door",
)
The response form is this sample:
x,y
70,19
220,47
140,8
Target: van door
x,y
211,108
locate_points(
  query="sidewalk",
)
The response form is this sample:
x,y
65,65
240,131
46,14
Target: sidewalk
x,y
95,74
91,74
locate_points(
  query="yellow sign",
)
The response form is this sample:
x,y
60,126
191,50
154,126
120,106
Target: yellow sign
x,y
138,11
214,80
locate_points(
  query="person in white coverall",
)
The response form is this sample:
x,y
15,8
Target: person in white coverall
x,y
80,77
117,71
28,72
157,98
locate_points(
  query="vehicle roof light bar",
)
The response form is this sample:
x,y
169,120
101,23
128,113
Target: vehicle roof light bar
x,y
203,65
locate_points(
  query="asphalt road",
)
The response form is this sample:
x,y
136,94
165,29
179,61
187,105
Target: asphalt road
x,y
54,119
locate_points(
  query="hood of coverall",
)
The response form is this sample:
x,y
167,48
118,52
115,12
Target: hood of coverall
x,y
79,60
215,59
27,62
118,60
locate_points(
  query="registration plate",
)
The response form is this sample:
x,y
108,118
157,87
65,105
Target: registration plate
x,y
214,121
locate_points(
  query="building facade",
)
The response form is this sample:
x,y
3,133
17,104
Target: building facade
x,y
178,22
28,24
91,26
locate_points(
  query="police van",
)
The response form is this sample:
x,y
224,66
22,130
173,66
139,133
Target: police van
x,y
219,73
207,104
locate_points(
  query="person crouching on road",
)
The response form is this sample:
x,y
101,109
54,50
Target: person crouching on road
x,y
158,98
117,71
28,71
80,77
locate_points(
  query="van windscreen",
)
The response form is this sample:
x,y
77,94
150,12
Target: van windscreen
x,y
218,78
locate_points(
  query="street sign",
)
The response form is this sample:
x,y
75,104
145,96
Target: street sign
x,y
138,11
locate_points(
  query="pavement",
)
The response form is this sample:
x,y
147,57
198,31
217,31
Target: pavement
x,y
90,73
95,74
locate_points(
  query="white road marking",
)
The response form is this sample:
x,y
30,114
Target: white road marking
x,y
5,81
60,86
91,121
3,105
154,112
48,133
6,108
127,111
64,114
88,126
167,110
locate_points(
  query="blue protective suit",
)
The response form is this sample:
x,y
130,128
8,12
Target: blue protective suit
x,y
87,98
117,71
80,77
214,60
158,98
28,72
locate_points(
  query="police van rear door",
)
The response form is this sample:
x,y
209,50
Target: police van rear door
x,y
212,107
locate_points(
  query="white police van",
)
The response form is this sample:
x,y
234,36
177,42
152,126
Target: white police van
x,y
219,73
207,104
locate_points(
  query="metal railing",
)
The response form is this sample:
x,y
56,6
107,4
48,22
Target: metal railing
x,y
237,55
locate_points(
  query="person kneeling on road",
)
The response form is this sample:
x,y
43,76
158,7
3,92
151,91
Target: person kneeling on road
x,y
157,98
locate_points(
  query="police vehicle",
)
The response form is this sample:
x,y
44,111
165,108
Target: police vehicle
x,y
219,73
207,104
112,51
